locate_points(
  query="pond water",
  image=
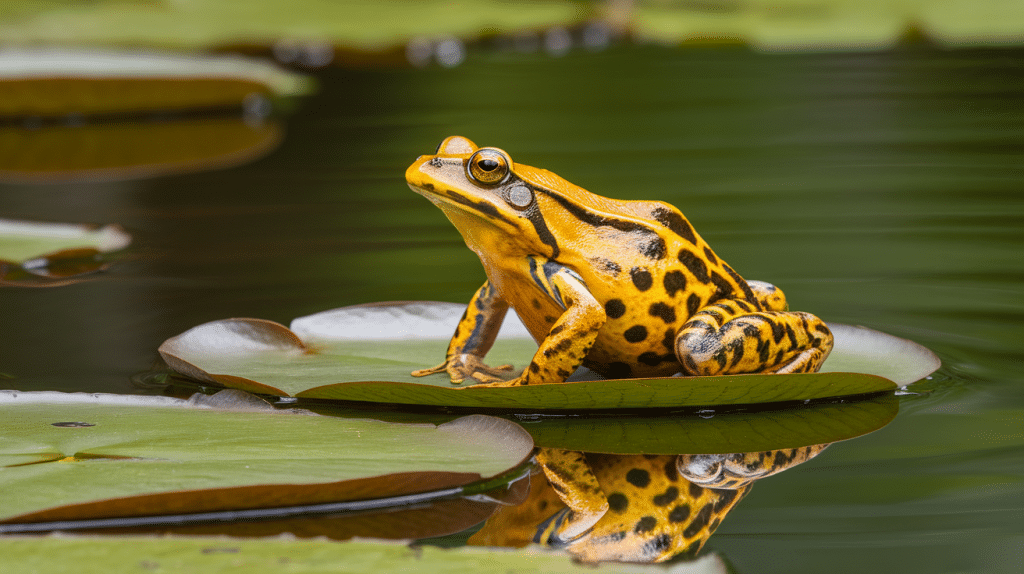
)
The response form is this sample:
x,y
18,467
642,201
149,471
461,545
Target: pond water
x,y
880,189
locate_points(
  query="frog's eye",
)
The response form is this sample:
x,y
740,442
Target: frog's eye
x,y
488,166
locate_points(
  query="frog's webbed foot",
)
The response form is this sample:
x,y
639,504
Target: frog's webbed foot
x,y
466,366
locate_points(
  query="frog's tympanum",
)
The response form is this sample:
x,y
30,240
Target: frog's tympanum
x,y
626,288
632,508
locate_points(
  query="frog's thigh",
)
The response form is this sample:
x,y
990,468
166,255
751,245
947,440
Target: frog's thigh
x,y
573,480
729,338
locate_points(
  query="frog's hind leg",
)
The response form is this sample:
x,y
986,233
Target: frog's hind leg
x,y
733,336
736,470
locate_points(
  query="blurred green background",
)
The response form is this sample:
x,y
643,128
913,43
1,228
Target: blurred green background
x,y
868,158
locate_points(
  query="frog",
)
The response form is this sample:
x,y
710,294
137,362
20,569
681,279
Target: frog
x,y
625,288
632,508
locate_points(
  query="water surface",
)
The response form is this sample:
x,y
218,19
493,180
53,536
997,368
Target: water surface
x,y
881,189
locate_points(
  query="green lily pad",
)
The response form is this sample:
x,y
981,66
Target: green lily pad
x,y
365,353
96,81
96,555
79,456
21,241
865,350
35,254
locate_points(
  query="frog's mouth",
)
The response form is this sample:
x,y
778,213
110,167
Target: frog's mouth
x,y
448,197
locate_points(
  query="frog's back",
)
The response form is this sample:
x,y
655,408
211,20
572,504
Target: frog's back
x,y
646,264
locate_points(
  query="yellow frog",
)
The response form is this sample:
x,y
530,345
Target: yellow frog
x,y
632,508
625,288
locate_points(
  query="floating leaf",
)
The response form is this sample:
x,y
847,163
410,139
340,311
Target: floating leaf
x,y
58,81
95,555
74,456
365,353
35,254
868,351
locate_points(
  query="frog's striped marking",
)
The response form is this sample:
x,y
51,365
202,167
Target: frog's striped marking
x,y
732,337
543,272
649,243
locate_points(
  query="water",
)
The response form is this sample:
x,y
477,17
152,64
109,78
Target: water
x,y
882,189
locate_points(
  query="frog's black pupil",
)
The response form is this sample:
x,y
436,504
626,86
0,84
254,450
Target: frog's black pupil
x,y
488,165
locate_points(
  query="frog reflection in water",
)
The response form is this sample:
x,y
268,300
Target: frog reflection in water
x,y
625,288
632,508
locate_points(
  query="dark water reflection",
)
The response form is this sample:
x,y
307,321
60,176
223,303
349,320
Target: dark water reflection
x,y
881,189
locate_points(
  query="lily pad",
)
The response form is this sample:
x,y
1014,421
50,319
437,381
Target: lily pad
x,y
95,555
365,353
92,82
36,254
77,456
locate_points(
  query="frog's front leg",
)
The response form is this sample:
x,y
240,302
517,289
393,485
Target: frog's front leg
x,y
569,340
473,338
573,480
733,336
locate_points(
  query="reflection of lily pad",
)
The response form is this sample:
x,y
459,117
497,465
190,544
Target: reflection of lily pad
x,y
720,433
365,353
73,456
36,254
93,554
107,115
132,150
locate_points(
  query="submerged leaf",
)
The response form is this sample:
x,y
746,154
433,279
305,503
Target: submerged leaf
x,y
366,353
74,456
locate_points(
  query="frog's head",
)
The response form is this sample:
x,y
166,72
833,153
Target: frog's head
x,y
481,192
500,206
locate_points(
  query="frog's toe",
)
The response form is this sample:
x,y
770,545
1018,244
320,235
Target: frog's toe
x,y
487,377
431,371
